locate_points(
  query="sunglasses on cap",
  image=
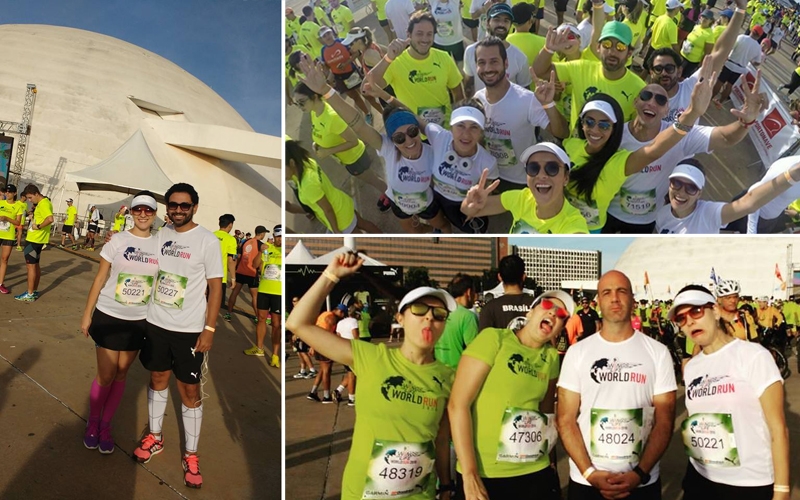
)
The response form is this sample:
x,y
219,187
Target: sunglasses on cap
x,y
400,137
695,312
551,168
183,206
603,125
619,46
665,68
646,95
560,311
142,210
421,309
687,187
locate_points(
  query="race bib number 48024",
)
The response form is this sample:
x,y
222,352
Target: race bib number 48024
x,y
399,470
525,436
170,290
616,435
709,439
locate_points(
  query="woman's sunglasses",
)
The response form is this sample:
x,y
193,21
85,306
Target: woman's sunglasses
x,y
646,95
400,137
602,125
560,311
696,312
551,168
421,309
619,46
687,187
142,210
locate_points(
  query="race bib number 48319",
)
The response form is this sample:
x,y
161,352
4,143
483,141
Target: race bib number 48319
x,y
170,290
399,470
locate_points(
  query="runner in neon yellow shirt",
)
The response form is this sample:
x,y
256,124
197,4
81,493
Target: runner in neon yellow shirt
x,y
270,262
379,6
342,18
401,437
119,219
69,224
228,246
698,44
292,24
309,33
38,236
665,30
11,215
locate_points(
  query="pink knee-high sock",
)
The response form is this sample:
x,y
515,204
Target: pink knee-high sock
x,y
114,397
97,399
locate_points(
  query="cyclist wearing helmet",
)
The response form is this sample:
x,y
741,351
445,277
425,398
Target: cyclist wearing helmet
x,y
768,316
739,324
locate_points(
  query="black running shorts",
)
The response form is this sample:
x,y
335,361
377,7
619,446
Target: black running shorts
x,y
116,334
33,252
250,281
164,351
269,302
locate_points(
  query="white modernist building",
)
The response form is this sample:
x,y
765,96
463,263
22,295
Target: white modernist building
x,y
671,263
111,118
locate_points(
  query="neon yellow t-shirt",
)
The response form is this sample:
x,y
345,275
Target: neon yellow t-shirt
x,y
659,7
608,184
518,378
528,43
314,185
757,20
522,205
271,263
694,46
587,79
119,222
227,244
322,17
294,80
665,32
424,85
637,28
43,210
72,214
380,9
292,26
309,36
343,19
8,231
717,32
327,130
400,406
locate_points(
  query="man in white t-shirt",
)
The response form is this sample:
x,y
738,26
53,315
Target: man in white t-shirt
x,y
499,23
616,403
92,228
181,325
512,112
398,12
347,328
746,51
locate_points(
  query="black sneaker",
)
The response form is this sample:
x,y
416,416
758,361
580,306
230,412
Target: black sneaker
x,y
327,400
313,397
383,203
351,402
337,397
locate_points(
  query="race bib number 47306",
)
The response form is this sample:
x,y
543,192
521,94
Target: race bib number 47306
x,y
525,436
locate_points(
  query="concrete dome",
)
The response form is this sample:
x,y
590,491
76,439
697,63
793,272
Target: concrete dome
x,y
83,113
677,261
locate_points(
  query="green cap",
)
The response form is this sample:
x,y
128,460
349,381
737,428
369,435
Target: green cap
x,y
618,30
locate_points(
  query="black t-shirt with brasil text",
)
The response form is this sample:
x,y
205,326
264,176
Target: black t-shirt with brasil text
x,y
503,311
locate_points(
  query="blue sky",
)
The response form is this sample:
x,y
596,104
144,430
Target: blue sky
x,y
612,246
233,46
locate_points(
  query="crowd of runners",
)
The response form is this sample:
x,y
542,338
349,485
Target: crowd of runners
x,y
467,93
471,404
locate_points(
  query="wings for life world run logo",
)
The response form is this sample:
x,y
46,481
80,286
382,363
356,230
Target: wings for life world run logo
x,y
397,388
521,366
172,249
407,174
134,254
417,76
613,370
705,386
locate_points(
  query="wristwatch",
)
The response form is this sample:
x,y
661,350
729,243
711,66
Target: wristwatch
x,y
644,476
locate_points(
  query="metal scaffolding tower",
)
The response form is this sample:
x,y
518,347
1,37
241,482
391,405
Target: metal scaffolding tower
x,y
23,129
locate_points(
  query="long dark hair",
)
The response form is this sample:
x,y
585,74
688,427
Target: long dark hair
x,y
294,151
585,177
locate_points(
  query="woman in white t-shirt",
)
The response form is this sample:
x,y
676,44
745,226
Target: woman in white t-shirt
x,y
347,329
115,314
735,434
688,214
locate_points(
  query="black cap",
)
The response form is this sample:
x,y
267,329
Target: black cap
x,y
261,229
11,188
523,12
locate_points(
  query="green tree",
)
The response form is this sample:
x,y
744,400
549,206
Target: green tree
x,y
418,276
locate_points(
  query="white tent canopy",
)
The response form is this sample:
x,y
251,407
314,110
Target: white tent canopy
x,y
300,255
129,169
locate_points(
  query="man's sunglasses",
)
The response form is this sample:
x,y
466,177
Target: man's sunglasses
x,y
142,210
696,312
646,95
183,206
602,125
665,68
400,137
551,168
619,46
560,311
688,187
421,309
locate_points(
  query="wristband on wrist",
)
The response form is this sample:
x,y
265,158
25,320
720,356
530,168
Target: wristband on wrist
x,y
390,99
451,487
327,95
551,52
210,329
789,179
781,488
330,276
746,124
549,105
588,472
388,59
737,10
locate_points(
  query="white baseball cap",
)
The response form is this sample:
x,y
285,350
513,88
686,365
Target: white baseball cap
x,y
601,106
547,147
689,173
467,114
673,4
560,295
568,27
426,291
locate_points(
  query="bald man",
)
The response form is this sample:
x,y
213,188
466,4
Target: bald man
x,y
616,403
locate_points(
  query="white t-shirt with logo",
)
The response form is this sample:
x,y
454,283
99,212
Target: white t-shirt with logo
x,y
517,72
681,100
186,262
509,129
776,206
408,182
745,50
130,285
730,381
448,22
777,34
705,219
616,382
642,194
398,12
452,174
345,327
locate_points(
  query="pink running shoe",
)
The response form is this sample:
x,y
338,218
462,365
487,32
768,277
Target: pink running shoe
x,y
91,438
147,448
191,469
4,290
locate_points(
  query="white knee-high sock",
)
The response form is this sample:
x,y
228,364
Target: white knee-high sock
x,y
192,421
156,407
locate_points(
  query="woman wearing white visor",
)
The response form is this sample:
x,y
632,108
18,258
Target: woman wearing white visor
x,y
735,435
688,214
539,209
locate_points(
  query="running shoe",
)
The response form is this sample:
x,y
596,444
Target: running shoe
x,y
276,361
351,402
311,374
383,203
4,290
36,294
313,396
191,469
327,400
255,321
300,375
106,441
91,438
255,351
25,297
147,448
227,317
60,246
19,249
337,396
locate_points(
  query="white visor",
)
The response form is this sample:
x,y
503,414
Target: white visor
x,y
691,174
426,291
568,27
602,107
467,114
690,298
547,147
144,200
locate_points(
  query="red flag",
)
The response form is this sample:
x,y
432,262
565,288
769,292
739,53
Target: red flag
x,y
646,279
778,273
